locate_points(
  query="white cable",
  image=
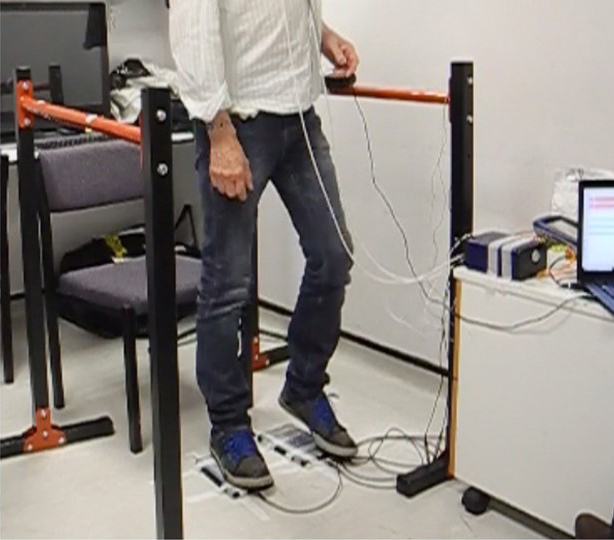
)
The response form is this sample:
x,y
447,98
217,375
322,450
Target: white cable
x,y
422,330
396,279
308,141
317,41
313,159
402,280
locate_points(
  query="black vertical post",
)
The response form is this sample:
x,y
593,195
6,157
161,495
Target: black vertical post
x,y
161,289
461,120
30,242
5,280
132,380
51,304
461,211
56,88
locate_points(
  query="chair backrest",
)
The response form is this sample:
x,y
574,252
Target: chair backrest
x,y
91,175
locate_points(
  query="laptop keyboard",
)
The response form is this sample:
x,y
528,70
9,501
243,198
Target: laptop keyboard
x,y
607,288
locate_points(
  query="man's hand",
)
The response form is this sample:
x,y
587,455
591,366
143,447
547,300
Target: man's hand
x,y
228,169
340,52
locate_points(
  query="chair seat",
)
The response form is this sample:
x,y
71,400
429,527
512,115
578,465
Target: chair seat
x,y
124,284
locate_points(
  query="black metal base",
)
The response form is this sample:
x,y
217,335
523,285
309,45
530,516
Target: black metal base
x,y
82,431
476,502
423,478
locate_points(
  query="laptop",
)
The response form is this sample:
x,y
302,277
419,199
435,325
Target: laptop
x,y
596,240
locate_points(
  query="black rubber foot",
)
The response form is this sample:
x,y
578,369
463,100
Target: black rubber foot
x,y
424,477
82,431
476,502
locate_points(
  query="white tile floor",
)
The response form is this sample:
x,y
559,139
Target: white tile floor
x,y
99,490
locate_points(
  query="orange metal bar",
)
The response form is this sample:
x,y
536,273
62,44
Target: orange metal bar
x,y
393,94
79,119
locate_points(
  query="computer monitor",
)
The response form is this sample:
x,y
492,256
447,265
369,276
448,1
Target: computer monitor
x,y
596,255
72,35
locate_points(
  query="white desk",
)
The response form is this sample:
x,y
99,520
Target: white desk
x,y
535,407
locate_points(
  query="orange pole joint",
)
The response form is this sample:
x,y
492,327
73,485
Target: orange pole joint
x,y
25,91
43,435
394,94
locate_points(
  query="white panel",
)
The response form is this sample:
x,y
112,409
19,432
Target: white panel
x,y
535,406
542,101
138,29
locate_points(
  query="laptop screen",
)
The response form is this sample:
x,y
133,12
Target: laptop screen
x,y
598,229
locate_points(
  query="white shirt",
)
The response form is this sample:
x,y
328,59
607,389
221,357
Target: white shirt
x,y
246,55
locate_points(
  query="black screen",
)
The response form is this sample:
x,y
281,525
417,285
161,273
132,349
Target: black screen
x,y
73,36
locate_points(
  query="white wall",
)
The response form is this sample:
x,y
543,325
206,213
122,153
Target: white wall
x,y
543,87
543,99
138,28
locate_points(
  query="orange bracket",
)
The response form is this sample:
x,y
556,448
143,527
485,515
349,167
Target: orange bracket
x,y
259,361
43,435
24,90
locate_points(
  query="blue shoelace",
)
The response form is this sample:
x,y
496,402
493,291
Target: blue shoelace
x,y
240,445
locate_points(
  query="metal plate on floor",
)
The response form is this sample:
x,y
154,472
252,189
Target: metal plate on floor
x,y
294,448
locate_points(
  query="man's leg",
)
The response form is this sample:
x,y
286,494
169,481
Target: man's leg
x,y
314,330
224,291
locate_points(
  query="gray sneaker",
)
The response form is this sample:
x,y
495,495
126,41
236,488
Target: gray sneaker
x,y
241,463
329,435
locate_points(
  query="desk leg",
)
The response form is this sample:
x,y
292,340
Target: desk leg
x,y
5,280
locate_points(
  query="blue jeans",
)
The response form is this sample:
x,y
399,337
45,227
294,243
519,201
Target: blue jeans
x,y
277,151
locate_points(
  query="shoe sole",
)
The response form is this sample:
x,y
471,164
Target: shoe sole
x,y
250,484
321,442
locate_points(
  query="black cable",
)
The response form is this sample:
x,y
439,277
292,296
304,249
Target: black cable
x,y
374,446
443,342
437,169
427,296
311,510
384,198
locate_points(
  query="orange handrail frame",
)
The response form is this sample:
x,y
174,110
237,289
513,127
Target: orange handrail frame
x,y
393,94
28,107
